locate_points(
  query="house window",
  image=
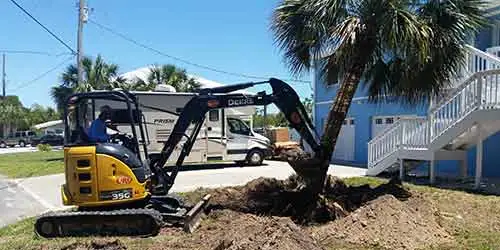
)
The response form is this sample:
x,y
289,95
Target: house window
x,y
379,121
352,122
344,122
389,120
213,115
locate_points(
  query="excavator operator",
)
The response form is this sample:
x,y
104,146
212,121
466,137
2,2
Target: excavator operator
x,y
98,128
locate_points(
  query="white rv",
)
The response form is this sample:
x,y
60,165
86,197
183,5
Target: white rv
x,y
226,134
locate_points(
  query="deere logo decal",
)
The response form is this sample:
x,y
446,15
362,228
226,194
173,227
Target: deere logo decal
x,y
240,102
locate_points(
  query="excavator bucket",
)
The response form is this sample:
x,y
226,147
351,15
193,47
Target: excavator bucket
x,y
193,217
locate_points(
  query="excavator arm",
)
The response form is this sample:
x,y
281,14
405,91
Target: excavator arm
x,y
283,96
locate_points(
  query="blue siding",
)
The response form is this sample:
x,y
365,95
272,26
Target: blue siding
x,y
483,39
491,157
363,112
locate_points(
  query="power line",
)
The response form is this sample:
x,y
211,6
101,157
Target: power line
x,y
183,60
26,84
43,26
32,52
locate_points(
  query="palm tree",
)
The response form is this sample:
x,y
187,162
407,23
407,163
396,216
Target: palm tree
x,y
168,74
96,75
60,94
404,48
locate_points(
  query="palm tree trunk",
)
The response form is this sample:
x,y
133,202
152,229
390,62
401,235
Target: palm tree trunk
x,y
334,121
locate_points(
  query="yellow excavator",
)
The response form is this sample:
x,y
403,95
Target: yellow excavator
x,y
118,188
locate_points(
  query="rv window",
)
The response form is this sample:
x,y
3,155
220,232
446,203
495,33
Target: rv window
x,y
238,127
213,115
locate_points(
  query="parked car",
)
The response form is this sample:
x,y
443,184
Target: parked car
x,y
55,132
21,138
50,139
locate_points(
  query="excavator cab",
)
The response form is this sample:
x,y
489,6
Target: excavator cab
x,y
111,171
109,180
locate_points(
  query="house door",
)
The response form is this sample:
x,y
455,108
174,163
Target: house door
x,y
344,149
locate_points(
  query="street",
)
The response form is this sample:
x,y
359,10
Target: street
x,y
32,196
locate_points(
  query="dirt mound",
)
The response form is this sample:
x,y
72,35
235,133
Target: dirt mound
x,y
96,244
226,229
387,223
266,196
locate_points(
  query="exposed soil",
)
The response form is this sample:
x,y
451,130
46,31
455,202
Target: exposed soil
x,y
96,244
265,196
388,223
272,214
226,229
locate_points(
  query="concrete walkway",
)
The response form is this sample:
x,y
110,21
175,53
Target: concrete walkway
x,y
16,204
45,191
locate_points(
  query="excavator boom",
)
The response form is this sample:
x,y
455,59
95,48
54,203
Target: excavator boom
x,y
283,96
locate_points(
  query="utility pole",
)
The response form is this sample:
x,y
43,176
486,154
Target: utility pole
x,y
82,18
3,75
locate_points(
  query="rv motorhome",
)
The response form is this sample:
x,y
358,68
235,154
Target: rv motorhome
x,y
226,135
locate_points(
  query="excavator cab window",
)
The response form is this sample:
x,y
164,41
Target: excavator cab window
x,y
124,126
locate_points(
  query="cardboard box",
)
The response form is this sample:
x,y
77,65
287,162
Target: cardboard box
x,y
278,135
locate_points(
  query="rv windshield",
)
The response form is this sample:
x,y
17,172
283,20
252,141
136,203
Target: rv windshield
x,y
237,126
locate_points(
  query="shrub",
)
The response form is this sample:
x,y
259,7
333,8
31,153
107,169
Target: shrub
x,y
44,147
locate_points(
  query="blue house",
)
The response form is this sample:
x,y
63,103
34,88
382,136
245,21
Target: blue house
x,y
443,135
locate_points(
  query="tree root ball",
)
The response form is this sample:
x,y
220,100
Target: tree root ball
x,y
292,198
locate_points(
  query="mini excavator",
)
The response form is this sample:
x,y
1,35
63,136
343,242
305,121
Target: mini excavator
x,y
118,189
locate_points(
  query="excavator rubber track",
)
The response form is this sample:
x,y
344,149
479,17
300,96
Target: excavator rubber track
x,y
123,222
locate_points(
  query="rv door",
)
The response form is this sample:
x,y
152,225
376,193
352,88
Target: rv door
x,y
214,135
238,134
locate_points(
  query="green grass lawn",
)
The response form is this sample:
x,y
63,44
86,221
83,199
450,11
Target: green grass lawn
x,y
19,165
472,219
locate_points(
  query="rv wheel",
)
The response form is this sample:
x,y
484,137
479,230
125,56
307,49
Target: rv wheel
x,y
255,157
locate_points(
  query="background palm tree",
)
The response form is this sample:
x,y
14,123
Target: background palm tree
x,y
168,74
96,75
404,48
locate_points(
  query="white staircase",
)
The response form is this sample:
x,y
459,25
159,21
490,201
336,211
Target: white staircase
x,y
452,124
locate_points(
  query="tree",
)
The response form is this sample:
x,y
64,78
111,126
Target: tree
x,y
97,75
168,74
308,105
404,48
37,114
278,119
12,114
60,94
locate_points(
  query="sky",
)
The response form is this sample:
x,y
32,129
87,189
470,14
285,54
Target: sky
x,y
228,35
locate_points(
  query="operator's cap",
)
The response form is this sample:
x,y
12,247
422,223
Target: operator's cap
x,y
105,108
